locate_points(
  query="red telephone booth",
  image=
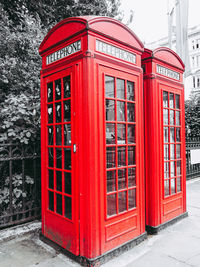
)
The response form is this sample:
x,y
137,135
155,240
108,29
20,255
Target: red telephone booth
x,y
92,137
164,138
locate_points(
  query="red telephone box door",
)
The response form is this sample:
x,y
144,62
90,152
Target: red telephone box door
x,y
123,184
172,128
60,186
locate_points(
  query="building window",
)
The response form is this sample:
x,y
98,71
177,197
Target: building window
x,y
193,62
193,81
193,47
198,43
198,82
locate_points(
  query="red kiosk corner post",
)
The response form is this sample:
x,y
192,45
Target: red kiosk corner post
x,y
92,137
165,161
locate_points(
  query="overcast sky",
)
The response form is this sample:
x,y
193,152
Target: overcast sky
x,y
150,20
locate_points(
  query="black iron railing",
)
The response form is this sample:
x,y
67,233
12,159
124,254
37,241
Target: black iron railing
x,y
192,170
20,199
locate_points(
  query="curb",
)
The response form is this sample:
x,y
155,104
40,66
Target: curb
x,y
20,230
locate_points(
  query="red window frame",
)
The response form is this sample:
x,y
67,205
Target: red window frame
x,y
120,125
172,143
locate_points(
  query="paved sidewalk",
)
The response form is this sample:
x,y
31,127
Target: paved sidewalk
x,y
177,245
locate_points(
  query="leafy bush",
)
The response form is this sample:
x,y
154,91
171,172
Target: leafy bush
x,y
17,193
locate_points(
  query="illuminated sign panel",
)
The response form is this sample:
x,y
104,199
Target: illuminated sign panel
x,y
168,73
64,52
115,51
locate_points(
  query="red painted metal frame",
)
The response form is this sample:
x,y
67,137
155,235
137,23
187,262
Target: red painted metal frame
x,y
161,208
88,68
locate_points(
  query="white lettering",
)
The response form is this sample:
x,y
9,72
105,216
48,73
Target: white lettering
x,y
64,52
115,51
168,73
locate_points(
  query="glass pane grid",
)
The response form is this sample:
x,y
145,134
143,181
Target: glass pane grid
x,y
59,147
120,144
172,143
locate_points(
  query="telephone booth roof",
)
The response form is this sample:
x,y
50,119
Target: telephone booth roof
x,y
104,26
165,55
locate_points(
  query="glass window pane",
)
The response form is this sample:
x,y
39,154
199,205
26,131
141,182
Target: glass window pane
x,y
51,179
122,201
178,135
178,180
121,156
172,135
131,134
111,205
166,152
109,86
111,181
131,177
130,91
67,158
131,155
121,178
177,101
121,133
68,207
173,186
131,112
165,116
120,111
58,158
111,157
171,117
165,99
171,100
166,135
67,134
59,181
51,201
50,92
178,168
50,113
172,163
132,198
178,151
50,135
166,170
110,133
58,89
167,188
110,110
67,110
58,112
51,156
68,181
59,204
120,89
67,87
178,118
172,151
58,135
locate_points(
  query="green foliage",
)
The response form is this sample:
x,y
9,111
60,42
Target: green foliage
x,y
23,25
192,116
18,195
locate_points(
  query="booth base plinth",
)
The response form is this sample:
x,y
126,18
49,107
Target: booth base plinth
x,y
95,262
155,229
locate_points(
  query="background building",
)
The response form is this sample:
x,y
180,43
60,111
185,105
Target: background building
x,y
192,82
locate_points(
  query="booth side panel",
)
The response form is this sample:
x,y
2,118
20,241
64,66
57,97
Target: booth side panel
x,y
90,198
184,152
152,155
43,158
